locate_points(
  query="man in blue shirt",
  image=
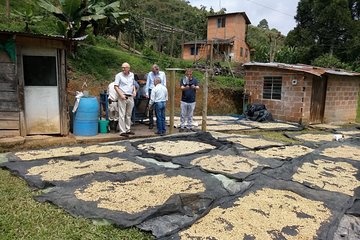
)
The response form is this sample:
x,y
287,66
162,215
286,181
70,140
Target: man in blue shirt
x,y
188,86
155,72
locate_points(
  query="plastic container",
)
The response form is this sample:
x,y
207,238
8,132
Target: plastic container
x,y
86,117
103,126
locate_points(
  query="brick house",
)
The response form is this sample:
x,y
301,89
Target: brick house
x,y
226,36
303,93
33,84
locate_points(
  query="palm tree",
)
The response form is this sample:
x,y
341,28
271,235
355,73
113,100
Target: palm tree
x,y
77,15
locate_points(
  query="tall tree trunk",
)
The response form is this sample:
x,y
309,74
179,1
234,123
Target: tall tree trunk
x,y
7,8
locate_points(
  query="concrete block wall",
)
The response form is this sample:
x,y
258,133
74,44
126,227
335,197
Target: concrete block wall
x,y
341,99
291,107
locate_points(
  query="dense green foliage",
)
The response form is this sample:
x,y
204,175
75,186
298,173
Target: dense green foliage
x,y
22,217
327,27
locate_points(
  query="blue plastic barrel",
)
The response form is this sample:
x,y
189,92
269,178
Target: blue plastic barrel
x,y
86,117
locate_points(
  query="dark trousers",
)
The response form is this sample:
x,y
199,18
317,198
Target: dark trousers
x,y
151,112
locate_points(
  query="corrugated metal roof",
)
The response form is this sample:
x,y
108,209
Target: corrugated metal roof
x,y
44,36
318,71
197,42
214,41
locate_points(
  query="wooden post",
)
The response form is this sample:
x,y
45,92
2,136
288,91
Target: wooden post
x,y
211,56
172,43
8,8
182,45
204,102
172,101
172,96
195,57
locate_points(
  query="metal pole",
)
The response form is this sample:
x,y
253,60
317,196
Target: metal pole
x,y
204,102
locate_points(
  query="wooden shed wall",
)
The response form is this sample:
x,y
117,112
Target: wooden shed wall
x,y
12,116
9,105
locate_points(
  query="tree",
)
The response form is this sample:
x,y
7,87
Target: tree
x,y
27,17
265,42
263,24
326,26
77,15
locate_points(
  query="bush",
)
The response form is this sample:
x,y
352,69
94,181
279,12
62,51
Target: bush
x,y
329,61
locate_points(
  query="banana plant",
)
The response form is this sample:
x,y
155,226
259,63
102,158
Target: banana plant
x,y
77,15
27,17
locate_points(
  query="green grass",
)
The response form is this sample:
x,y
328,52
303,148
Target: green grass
x,y
102,58
21,217
229,82
274,135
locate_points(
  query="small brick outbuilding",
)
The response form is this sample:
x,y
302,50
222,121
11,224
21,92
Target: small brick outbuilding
x,y
303,93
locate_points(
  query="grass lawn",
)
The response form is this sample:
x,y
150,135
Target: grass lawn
x,y
21,217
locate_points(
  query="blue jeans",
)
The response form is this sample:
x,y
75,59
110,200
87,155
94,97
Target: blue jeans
x,y
160,117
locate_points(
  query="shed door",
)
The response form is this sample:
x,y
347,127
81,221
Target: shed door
x,y
41,95
318,97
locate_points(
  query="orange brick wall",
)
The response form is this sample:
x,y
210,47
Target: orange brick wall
x,y
186,55
341,96
235,26
341,99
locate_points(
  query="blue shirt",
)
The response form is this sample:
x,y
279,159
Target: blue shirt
x,y
150,80
188,95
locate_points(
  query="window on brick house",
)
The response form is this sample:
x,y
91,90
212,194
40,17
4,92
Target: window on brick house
x,y
246,53
241,52
192,51
272,88
221,22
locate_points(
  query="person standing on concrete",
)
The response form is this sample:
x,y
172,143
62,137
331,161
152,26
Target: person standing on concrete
x,y
125,87
113,98
155,72
158,98
188,86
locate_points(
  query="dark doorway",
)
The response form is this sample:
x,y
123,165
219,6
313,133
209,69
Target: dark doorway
x,y
318,96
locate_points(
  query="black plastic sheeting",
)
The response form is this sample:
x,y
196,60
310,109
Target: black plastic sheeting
x,y
288,169
312,144
203,137
337,203
290,127
255,137
12,157
264,163
21,168
182,209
